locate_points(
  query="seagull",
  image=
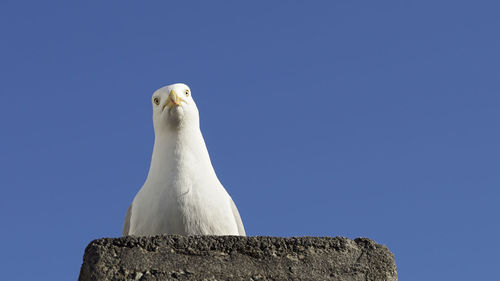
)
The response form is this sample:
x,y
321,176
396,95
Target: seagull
x,y
182,194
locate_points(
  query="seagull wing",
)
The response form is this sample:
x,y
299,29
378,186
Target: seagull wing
x,y
126,223
237,218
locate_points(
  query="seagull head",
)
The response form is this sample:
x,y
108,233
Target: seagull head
x,y
174,107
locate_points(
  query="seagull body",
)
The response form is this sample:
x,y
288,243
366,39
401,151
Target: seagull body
x,y
182,194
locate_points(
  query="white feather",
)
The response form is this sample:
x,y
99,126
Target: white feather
x,y
182,194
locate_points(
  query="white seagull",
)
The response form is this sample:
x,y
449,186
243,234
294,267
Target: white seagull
x,y
182,194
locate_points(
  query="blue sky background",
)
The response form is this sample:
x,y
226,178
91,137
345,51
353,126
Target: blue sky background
x,y
374,119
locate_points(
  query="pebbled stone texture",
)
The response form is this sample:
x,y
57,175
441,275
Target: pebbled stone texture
x,y
172,257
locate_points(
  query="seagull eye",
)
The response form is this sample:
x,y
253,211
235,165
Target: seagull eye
x,y
187,93
156,101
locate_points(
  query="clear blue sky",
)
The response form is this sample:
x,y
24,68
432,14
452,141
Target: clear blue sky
x,y
374,119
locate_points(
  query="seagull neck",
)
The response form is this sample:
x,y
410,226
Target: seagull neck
x,y
175,148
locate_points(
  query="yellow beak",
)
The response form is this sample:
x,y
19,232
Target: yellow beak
x,y
173,99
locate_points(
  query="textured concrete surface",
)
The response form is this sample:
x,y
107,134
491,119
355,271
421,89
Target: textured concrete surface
x,y
237,258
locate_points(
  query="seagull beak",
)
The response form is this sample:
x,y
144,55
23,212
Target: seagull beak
x,y
173,99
